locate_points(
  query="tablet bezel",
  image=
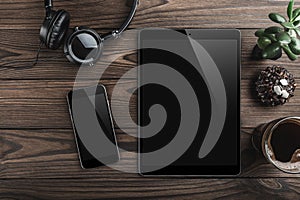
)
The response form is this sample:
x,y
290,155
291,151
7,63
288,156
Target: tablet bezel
x,y
197,34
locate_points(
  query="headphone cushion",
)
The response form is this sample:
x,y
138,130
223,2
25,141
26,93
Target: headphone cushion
x,y
58,29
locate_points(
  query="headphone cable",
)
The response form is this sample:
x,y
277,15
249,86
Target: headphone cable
x,y
37,58
38,53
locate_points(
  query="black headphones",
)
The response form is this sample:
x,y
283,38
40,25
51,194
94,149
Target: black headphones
x,y
84,45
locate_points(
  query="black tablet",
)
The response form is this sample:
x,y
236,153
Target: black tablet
x,y
189,102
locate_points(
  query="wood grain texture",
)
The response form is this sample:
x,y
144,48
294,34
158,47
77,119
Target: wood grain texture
x,y
135,187
28,14
64,73
16,58
25,157
51,153
38,158
42,104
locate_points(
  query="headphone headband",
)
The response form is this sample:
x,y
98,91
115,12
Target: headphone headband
x,y
48,4
114,33
117,32
48,7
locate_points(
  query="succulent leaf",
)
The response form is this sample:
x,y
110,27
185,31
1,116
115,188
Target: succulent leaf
x,y
295,46
288,25
259,32
296,13
271,50
289,52
283,38
263,42
290,9
275,17
296,23
273,30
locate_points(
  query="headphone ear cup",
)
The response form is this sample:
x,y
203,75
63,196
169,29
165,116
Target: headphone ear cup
x,y
84,46
58,28
45,27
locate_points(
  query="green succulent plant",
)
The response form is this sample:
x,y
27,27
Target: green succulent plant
x,y
272,40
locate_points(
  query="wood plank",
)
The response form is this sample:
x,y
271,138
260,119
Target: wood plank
x,y
47,153
42,104
17,57
26,14
135,187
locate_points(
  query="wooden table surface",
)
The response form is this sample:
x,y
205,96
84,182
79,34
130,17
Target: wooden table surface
x,y
38,158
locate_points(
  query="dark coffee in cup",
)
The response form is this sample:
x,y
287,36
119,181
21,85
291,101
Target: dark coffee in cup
x,y
279,141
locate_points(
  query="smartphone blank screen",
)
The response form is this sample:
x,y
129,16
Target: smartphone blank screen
x,y
93,127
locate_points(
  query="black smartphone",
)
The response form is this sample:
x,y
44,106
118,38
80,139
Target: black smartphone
x,y
93,128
